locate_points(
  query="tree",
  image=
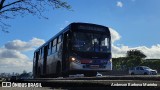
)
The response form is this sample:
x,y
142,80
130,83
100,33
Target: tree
x,y
134,58
137,53
119,63
24,72
9,9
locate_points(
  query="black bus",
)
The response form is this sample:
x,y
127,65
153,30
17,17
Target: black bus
x,y
80,48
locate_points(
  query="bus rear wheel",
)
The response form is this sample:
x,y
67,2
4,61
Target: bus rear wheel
x,y
132,73
58,70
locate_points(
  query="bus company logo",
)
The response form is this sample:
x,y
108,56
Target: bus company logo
x,y
6,84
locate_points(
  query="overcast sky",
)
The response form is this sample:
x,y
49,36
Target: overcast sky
x,y
135,24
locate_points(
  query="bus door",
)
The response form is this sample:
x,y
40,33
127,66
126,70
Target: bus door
x,y
45,59
35,68
65,51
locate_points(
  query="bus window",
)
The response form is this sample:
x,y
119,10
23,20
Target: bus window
x,y
90,42
104,44
54,42
49,48
54,46
37,55
60,39
34,58
59,42
42,52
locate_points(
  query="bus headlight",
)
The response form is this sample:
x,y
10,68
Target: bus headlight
x,y
72,59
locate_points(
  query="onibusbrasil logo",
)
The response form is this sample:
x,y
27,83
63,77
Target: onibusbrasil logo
x,y
13,84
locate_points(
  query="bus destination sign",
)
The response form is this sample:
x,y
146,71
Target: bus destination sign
x,y
94,28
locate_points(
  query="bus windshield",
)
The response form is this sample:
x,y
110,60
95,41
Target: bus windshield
x,y
90,42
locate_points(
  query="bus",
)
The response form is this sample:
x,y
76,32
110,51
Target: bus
x,y
80,48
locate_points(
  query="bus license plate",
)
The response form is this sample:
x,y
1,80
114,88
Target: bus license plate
x,y
94,66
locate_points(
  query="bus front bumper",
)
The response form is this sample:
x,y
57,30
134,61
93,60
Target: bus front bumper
x,y
94,67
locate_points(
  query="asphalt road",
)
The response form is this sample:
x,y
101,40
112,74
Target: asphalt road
x,y
125,77
138,81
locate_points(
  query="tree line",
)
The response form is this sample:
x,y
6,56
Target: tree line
x,y
135,58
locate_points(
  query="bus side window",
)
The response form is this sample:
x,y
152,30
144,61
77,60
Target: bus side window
x,y
54,46
49,48
35,54
34,58
39,54
42,54
58,42
60,39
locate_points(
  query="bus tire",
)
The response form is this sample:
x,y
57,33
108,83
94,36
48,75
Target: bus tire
x,y
132,73
58,69
145,73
